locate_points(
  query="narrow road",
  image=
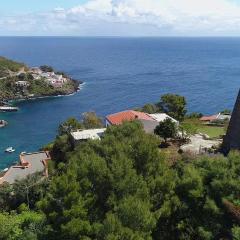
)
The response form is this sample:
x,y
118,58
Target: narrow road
x,y
22,70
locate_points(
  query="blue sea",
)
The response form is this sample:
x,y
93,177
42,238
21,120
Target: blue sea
x,y
119,74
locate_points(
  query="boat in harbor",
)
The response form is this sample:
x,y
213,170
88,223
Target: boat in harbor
x,y
8,109
10,150
3,123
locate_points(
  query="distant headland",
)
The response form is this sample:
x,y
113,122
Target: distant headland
x,y
18,81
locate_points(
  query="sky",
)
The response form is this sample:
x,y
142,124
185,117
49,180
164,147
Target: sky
x,y
119,17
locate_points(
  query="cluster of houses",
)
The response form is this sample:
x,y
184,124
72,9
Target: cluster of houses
x,y
149,122
56,80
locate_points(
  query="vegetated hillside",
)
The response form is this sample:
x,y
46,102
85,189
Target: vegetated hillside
x,y
123,187
8,66
12,72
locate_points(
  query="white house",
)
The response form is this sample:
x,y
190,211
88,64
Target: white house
x,y
223,117
46,75
22,83
94,134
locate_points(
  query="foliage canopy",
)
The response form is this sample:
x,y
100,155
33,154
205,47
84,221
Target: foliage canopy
x,y
122,187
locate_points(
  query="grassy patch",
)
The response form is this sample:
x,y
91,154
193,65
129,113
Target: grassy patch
x,y
9,65
211,131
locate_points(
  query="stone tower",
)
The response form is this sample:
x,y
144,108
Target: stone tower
x,y
232,138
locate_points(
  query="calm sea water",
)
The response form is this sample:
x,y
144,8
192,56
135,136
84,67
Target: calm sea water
x,y
120,73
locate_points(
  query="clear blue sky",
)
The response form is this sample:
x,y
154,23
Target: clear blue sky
x,y
26,6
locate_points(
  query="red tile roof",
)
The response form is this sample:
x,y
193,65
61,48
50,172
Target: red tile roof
x,y
209,118
129,115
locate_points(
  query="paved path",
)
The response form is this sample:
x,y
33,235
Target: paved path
x,y
198,142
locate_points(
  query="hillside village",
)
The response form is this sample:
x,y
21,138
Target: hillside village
x,y
57,80
18,81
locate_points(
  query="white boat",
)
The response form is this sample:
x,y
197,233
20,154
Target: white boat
x,y
10,150
3,123
8,109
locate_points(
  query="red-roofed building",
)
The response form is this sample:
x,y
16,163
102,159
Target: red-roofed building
x,y
149,121
209,118
129,115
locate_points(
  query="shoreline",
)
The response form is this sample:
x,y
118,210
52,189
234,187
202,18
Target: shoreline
x,y
14,162
49,96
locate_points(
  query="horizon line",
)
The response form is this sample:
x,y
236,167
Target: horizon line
x,y
106,36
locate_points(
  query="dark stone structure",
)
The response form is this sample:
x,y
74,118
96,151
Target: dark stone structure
x,y
231,140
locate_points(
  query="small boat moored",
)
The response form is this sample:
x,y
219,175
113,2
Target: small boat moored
x,y
10,150
8,109
3,123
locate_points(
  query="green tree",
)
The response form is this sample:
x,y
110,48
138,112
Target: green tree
x,y
46,68
149,108
166,129
26,191
65,209
187,129
91,120
60,149
6,199
69,125
226,111
174,105
236,232
27,225
194,115
105,179
9,227
30,190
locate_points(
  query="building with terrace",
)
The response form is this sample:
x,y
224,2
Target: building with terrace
x,y
30,163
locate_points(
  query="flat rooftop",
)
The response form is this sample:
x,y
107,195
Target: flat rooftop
x,y
36,163
160,117
88,134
